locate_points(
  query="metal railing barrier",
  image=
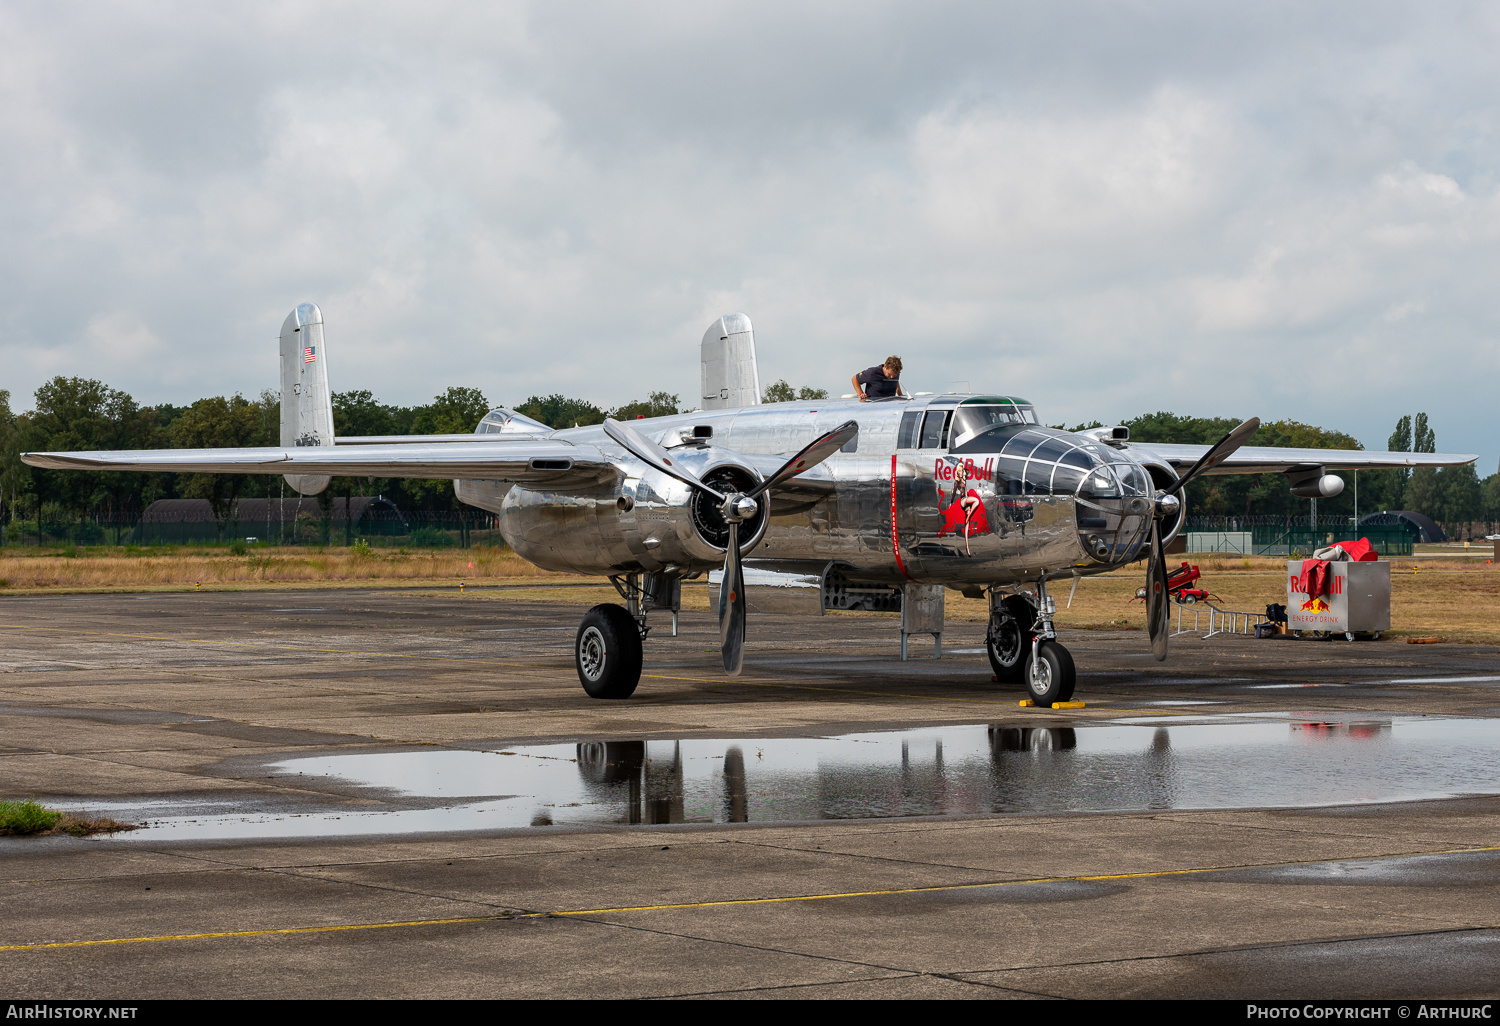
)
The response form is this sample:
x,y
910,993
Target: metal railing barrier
x,y
1220,621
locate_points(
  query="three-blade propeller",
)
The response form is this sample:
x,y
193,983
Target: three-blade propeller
x,y
736,508
1157,598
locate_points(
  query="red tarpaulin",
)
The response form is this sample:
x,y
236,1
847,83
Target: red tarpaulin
x,y
1359,551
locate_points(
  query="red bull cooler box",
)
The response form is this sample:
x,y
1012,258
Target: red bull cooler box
x,y
1357,599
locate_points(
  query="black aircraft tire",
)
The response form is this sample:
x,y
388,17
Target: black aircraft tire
x,y
1007,652
607,652
1009,646
1058,675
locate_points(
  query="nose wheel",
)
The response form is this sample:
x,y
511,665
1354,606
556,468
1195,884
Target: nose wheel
x,y
1050,676
1023,649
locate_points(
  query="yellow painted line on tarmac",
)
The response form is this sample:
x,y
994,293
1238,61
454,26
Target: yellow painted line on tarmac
x,y
726,903
245,933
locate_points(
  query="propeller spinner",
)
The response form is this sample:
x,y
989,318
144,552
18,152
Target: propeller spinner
x,y
737,508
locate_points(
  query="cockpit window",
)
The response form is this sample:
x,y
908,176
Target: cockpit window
x,y
1052,449
1078,458
1066,480
501,421
911,424
1101,484
1022,443
494,422
973,419
935,429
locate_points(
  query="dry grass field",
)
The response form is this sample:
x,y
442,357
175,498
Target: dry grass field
x,y
107,568
1456,599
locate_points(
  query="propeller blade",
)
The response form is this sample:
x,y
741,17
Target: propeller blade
x,y
810,456
732,586
1221,451
647,451
732,605
1157,612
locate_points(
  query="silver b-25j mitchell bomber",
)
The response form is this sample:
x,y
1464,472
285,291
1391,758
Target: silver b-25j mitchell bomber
x,y
813,504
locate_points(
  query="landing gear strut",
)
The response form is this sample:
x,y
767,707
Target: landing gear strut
x,y
607,649
1023,647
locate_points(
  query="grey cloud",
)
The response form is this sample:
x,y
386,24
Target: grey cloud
x,y
1288,210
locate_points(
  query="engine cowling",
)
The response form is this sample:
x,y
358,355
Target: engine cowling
x,y
1162,476
648,521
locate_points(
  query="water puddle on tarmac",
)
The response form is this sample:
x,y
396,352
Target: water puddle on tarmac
x,y
1224,762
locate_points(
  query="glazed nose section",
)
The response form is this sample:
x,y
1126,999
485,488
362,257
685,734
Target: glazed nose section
x,y
1114,507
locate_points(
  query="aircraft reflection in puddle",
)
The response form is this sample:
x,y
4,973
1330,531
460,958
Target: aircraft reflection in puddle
x,y
1227,762
1017,769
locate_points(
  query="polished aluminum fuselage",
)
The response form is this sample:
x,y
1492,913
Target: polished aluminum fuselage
x,y
881,513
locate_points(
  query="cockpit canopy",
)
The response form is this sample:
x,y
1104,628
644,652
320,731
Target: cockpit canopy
x,y
501,421
1045,461
944,426
976,416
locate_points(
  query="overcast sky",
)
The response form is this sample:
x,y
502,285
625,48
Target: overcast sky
x,y
1279,210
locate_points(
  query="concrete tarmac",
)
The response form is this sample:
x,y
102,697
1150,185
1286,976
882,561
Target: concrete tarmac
x,y
185,699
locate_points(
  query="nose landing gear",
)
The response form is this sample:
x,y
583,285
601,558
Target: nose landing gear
x,y
1023,647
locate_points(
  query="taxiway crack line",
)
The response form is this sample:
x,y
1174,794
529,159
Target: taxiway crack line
x,y
769,949
1233,948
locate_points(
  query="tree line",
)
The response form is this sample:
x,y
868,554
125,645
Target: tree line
x,y
71,414
78,414
1451,495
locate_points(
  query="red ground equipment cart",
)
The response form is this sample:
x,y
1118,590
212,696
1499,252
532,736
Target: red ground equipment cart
x,y
1177,586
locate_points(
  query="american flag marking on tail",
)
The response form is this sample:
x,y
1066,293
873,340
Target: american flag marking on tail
x,y
310,354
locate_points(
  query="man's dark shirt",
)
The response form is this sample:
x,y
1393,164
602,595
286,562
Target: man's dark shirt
x,y
876,384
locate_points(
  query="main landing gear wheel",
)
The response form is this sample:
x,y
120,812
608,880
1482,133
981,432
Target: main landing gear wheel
x,y
1008,640
1050,677
607,652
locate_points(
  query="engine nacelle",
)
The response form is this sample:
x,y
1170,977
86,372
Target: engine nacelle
x,y
680,526
647,521
1162,476
1314,483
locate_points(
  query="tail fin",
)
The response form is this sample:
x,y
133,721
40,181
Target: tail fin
x,y
306,403
729,375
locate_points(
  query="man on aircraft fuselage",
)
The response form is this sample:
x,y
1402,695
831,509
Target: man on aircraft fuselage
x,y
880,382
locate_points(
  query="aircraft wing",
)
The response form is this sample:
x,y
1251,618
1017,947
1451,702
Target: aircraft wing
x,y
1260,459
521,460
529,461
